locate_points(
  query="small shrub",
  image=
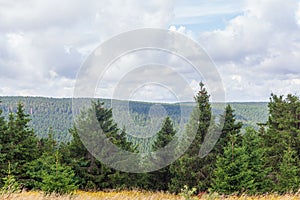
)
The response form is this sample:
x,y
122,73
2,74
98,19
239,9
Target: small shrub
x,y
59,180
11,185
188,193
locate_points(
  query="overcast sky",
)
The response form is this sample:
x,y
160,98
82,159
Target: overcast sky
x,y
254,44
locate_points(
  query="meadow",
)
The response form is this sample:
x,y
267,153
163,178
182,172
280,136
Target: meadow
x,y
137,195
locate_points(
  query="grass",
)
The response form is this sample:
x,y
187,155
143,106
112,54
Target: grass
x,y
134,195
80,195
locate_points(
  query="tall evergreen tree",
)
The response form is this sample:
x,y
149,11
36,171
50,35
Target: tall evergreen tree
x,y
159,179
257,161
240,166
190,169
201,120
283,131
20,144
232,173
289,173
230,127
94,174
3,142
35,169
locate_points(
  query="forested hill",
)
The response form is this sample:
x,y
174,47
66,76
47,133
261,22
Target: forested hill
x,y
54,115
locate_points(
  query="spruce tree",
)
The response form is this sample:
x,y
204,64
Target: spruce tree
x,y
49,173
230,127
282,132
3,147
201,121
94,174
289,173
232,173
162,177
47,148
19,144
11,185
257,163
190,169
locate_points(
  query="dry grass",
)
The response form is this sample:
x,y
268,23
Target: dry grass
x,y
133,195
265,197
80,195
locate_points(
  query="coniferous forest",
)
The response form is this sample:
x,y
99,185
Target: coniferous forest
x,y
252,158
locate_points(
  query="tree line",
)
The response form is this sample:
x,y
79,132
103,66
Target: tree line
x,y
55,115
253,162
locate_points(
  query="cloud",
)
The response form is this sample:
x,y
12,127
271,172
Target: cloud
x,y
43,44
261,47
255,44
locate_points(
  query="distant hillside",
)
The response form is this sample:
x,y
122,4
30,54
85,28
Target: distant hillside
x,y
55,114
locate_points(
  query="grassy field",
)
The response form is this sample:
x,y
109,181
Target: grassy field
x,y
134,195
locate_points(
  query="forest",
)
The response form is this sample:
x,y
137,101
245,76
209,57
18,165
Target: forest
x,y
55,115
257,152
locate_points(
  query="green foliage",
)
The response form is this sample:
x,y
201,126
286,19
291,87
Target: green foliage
x,y
282,135
89,170
11,185
257,163
232,174
254,162
190,169
58,178
229,129
56,113
270,156
288,176
3,128
242,168
159,178
188,194
203,119
19,144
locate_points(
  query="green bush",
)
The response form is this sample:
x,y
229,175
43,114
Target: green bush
x,y
60,179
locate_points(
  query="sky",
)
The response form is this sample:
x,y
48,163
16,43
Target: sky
x,y
254,45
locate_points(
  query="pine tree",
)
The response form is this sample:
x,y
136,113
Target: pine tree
x,y
257,163
162,177
283,131
94,174
11,185
190,169
3,129
289,173
47,148
19,144
26,146
56,177
48,145
232,173
201,120
230,127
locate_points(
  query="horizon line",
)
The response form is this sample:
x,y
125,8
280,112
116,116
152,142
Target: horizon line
x,y
142,101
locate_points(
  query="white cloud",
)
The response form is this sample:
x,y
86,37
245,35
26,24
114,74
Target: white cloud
x,y
258,50
182,30
43,44
298,14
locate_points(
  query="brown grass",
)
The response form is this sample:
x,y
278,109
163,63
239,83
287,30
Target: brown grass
x,y
133,195
80,195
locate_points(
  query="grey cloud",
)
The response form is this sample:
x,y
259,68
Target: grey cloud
x,y
44,43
